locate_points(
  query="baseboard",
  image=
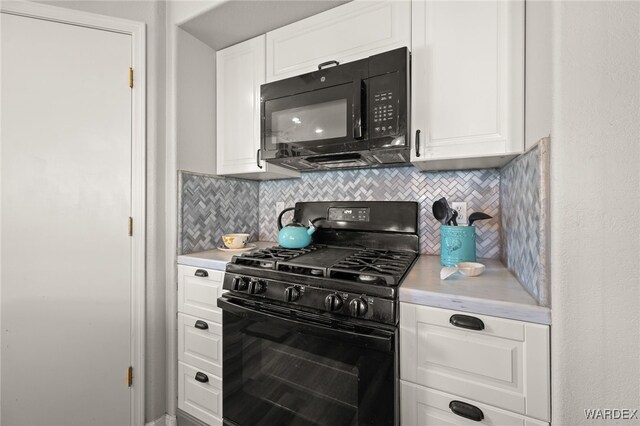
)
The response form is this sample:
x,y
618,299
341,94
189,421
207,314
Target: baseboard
x,y
170,420
164,420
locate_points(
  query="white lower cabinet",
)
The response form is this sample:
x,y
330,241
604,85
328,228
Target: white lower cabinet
x,y
200,343
421,406
494,361
198,292
200,394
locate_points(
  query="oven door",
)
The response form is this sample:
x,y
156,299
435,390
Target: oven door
x,y
322,121
284,367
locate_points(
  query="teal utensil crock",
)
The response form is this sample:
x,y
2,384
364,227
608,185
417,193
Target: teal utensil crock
x,y
457,244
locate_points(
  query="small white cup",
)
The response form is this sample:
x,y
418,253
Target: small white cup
x,y
235,241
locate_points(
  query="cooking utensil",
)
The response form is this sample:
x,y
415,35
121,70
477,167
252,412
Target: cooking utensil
x,y
453,217
441,210
478,216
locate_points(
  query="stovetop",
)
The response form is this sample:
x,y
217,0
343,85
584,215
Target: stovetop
x,y
358,265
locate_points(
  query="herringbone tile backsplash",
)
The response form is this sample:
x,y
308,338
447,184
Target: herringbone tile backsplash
x,y
479,188
212,206
522,185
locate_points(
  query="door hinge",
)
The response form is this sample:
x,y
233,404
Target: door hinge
x,y
131,77
130,376
130,226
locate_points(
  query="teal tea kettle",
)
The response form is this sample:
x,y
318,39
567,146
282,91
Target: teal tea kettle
x,y
295,235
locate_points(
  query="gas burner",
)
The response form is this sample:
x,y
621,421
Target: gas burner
x,y
266,265
317,272
367,279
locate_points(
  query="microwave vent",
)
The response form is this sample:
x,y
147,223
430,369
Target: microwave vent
x,y
389,157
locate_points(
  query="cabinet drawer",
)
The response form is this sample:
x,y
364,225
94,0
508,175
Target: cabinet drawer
x,y
506,364
199,346
198,292
201,400
428,407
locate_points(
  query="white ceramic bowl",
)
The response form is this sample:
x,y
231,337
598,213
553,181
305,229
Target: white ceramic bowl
x,y
470,269
235,241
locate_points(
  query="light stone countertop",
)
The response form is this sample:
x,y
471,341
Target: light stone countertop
x,y
216,259
496,292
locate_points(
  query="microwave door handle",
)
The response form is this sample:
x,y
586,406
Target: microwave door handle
x,y
359,120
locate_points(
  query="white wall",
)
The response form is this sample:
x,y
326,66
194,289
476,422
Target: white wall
x,y
595,240
538,84
153,14
196,105
179,11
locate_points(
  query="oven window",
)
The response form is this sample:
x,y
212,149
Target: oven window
x,y
276,373
325,120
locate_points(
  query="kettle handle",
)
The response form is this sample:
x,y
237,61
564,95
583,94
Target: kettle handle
x,y
282,214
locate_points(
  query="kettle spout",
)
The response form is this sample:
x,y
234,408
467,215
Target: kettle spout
x,y
311,228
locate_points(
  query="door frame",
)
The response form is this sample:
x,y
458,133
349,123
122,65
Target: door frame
x,y
137,31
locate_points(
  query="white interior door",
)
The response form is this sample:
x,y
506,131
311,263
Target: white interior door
x,y
65,200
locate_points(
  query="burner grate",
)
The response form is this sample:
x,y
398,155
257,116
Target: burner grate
x,y
267,258
374,266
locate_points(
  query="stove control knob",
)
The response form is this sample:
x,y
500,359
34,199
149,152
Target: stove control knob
x,y
257,286
358,307
291,294
333,302
239,283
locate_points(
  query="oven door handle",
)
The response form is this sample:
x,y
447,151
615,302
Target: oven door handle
x,y
382,340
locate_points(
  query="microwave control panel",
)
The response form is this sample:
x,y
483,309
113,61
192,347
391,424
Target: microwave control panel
x,y
384,102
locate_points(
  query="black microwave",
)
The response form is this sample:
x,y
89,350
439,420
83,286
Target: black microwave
x,y
343,116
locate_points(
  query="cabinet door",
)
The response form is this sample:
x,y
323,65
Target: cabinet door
x,y
428,407
198,292
346,33
200,343
200,394
467,81
240,72
504,364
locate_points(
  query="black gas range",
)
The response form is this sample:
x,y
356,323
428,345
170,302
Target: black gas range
x,y
353,269
310,335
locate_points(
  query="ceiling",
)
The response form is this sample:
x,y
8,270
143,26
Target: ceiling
x,y
238,20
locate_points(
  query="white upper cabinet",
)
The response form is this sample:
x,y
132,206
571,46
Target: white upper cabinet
x,y
346,33
467,83
240,70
